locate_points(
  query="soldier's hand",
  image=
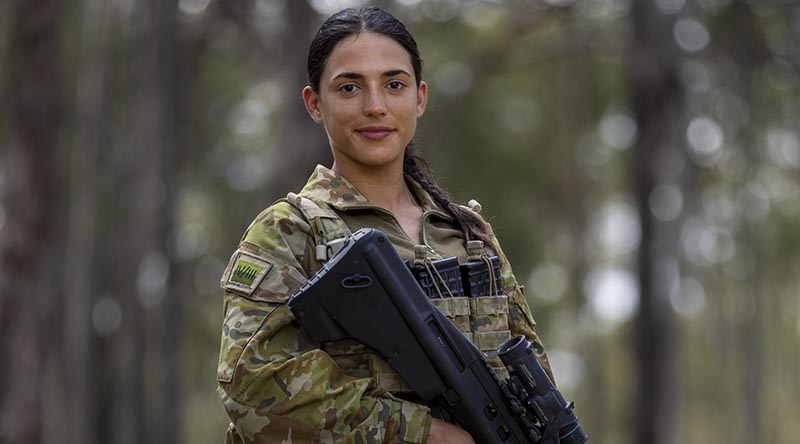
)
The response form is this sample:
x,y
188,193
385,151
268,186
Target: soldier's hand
x,y
445,433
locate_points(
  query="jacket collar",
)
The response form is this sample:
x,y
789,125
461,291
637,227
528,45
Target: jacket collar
x,y
337,192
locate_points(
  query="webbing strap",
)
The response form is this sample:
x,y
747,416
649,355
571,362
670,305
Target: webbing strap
x,y
457,306
327,228
309,208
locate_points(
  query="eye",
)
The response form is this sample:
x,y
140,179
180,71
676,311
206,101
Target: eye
x,y
348,88
396,84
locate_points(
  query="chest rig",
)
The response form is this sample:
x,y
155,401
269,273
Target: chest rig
x,y
470,295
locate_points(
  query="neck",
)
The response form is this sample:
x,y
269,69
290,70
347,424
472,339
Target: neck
x,y
383,186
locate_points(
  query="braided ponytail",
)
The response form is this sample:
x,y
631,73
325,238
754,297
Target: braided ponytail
x,y
416,167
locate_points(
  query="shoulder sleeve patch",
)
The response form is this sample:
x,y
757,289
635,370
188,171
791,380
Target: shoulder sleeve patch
x,y
244,272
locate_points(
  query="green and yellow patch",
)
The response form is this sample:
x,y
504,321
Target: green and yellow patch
x,y
245,272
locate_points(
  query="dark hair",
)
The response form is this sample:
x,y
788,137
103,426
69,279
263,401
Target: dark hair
x,y
353,21
416,167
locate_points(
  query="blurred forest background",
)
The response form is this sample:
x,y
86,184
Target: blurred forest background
x,y
639,160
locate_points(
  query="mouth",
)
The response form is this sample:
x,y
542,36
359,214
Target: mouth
x,y
374,132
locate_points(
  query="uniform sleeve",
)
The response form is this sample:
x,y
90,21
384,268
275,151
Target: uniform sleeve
x,y
520,317
275,385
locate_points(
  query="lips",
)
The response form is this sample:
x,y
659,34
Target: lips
x,y
374,132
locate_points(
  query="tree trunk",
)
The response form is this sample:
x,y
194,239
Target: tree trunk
x,y
79,358
146,358
749,52
26,242
657,158
302,144
578,88
167,140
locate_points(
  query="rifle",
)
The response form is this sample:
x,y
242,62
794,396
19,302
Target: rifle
x,y
366,293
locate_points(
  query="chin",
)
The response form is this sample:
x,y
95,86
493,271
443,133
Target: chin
x,y
380,161
381,156
377,163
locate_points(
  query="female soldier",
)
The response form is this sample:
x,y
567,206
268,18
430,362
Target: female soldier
x,y
365,88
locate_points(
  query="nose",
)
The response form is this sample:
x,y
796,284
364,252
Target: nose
x,y
374,103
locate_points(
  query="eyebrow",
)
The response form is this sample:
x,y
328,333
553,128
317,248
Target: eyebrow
x,y
356,76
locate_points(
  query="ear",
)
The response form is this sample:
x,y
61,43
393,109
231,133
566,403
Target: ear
x,y
422,98
311,100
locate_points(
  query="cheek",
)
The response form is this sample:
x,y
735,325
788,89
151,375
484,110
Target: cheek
x,y
331,120
339,113
336,127
412,124
411,115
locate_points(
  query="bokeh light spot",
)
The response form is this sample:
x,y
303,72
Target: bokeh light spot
x,y
616,227
106,317
666,202
618,130
569,367
154,270
329,7
246,172
249,116
521,114
688,297
705,141
454,79
752,202
548,282
192,7
191,240
670,6
270,8
613,294
691,35
695,76
780,75
784,147
441,10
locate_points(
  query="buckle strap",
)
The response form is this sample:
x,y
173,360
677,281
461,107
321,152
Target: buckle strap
x,y
327,228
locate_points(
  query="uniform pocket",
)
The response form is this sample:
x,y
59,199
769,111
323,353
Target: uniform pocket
x,y
489,313
457,310
354,360
243,318
350,356
489,323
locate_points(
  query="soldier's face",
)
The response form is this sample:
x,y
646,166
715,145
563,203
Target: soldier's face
x,y
368,101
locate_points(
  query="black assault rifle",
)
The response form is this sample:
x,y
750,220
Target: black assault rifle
x,y
366,293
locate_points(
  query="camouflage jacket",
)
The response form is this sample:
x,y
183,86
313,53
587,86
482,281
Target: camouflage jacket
x,y
274,383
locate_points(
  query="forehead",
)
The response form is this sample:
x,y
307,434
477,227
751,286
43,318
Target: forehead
x,y
367,53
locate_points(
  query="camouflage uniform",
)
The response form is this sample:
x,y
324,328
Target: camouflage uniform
x,y
279,387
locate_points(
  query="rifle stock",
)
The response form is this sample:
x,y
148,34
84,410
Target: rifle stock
x,y
367,294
